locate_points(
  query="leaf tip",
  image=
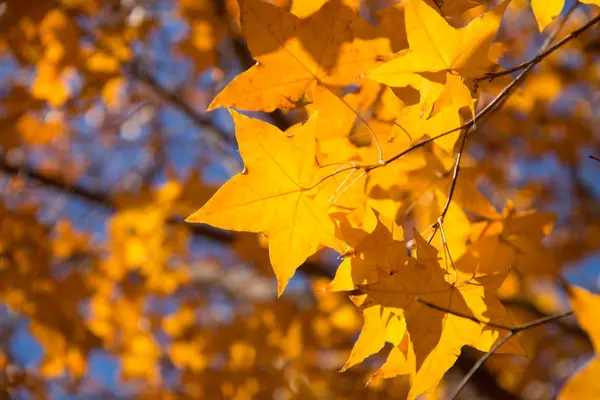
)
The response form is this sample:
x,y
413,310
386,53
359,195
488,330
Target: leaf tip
x,y
281,285
213,105
193,218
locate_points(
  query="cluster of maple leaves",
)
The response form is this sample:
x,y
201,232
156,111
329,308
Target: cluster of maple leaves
x,y
316,186
383,132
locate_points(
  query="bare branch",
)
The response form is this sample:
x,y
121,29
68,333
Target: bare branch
x,y
512,332
461,315
544,53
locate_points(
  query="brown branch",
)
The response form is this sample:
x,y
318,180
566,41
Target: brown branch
x,y
531,308
543,54
174,99
512,332
461,315
483,379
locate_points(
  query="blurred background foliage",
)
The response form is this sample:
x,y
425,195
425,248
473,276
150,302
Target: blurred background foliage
x,y
105,148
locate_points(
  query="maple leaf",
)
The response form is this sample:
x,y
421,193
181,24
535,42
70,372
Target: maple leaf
x,y
412,123
405,185
333,133
585,383
303,8
273,195
437,46
435,338
514,242
594,2
331,46
380,326
375,256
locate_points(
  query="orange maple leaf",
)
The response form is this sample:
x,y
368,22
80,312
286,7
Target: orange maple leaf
x,y
585,384
275,195
331,46
435,338
435,45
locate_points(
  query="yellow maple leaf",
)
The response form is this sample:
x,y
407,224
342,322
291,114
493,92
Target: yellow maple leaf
x,y
585,383
381,326
514,242
373,258
206,31
273,195
49,85
586,306
333,133
188,355
330,46
436,337
37,132
413,124
435,45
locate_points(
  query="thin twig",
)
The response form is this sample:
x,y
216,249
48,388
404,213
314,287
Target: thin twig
x,y
541,321
462,315
493,75
478,365
512,331
455,173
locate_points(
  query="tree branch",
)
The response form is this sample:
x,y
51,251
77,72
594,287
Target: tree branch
x,y
512,332
543,54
